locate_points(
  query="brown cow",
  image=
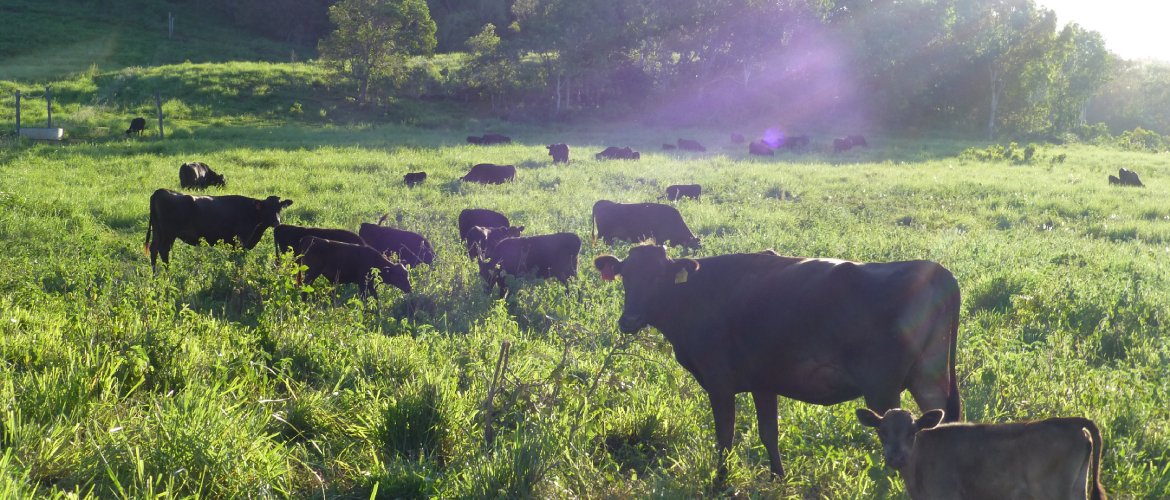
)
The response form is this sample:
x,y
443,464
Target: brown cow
x,y
821,331
638,221
559,152
1051,458
679,191
348,263
488,173
546,256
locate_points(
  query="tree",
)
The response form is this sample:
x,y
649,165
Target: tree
x,y
374,36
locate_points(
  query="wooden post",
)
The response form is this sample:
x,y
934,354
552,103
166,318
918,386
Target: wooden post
x,y
49,103
18,112
158,108
170,25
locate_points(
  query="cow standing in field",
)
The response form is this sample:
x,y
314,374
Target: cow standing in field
x,y
559,152
616,153
137,125
760,148
679,191
691,145
412,179
286,236
821,331
348,263
795,142
481,240
411,248
1053,458
545,256
638,221
488,173
233,219
197,175
471,217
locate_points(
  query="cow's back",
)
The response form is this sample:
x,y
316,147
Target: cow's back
x,y
471,217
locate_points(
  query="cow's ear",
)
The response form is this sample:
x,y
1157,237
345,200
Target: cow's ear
x,y
285,204
519,229
609,266
868,418
929,419
682,269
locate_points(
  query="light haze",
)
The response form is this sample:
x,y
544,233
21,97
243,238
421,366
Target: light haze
x,y
1132,29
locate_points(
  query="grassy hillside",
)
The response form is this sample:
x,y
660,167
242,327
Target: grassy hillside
x,y
214,377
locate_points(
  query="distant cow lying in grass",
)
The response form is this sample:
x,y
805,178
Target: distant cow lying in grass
x,y
489,139
1126,177
137,125
197,175
348,263
1052,458
488,173
414,178
559,152
679,191
616,153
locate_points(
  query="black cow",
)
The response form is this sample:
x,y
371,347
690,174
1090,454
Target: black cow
x,y
137,125
559,152
821,331
616,153
343,262
197,175
414,178
481,240
638,221
857,140
841,144
760,148
286,236
233,219
471,217
489,139
489,173
737,138
411,248
796,142
679,191
546,256
666,146
1126,177
690,145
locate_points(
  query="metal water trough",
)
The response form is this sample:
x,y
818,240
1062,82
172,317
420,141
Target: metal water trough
x,y
43,134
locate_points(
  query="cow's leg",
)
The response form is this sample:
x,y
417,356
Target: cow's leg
x,y
723,408
766,421
881,401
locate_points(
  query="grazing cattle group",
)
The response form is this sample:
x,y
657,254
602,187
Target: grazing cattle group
x,y
820,331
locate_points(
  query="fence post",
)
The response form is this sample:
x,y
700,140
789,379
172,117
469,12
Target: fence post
x,y
49,103
18,112
158,108
170,25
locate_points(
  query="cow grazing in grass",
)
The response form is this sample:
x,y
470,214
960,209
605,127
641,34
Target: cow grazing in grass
x,y
286,236
343,262
1052,458
197,175
137,125
760,148
489,173
411,248
471,217
481,240
233,219
412,179
1126,177
679,191
638,221
544,256
690,145
616,153
559,152
489,139
820,331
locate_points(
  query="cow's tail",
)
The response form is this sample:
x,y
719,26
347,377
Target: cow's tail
x,y
1096,491
149,226
593,229
954,403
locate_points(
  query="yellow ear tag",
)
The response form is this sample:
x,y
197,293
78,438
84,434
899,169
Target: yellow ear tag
x,y
681,277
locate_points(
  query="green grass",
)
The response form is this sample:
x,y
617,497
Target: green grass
x,y
215,378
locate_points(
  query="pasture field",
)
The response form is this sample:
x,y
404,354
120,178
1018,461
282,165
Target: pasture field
x,y
214,378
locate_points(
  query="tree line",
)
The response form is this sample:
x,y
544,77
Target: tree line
x,y
997,66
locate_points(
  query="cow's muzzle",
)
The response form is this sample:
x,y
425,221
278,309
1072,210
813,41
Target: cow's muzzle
x,y
631,323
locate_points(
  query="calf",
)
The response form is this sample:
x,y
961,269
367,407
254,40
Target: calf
x,y
1052,458
414,178
546,256
233,219
488,173
481,240
137,125
616,153
559,152
471,217
286,236
678,191
760,148
349,263
690,145
411,248
197,175
637,221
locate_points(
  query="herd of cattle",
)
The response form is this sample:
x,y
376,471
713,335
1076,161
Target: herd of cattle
x,y
821,331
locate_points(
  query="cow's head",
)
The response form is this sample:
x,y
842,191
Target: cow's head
x,y
646,273
897,430
269,210
396,276
214,179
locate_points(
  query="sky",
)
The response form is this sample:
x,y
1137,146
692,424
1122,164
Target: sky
x,y
1133,29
